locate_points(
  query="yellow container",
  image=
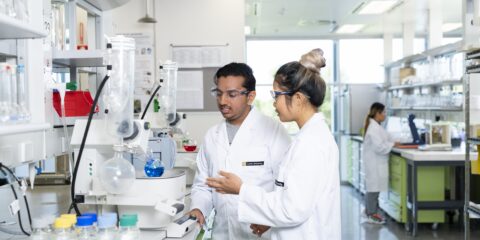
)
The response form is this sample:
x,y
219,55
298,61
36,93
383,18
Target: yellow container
x,y
72,218
476,163
62,223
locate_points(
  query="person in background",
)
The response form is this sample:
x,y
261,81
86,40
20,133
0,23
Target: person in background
x,y
306,201
377,145
246,142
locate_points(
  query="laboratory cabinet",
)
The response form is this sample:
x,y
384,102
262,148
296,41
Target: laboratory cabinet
x,y
431,187
355,166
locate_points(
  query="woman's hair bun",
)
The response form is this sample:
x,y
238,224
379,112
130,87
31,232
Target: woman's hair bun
x,y
313,60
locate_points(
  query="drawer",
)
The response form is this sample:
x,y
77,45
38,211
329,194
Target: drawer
x,y
396,184
397,165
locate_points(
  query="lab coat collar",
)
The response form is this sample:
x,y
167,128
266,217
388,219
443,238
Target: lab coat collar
x,y
375,122
315,118
247,124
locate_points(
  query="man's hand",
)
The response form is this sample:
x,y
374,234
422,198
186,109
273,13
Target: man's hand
x,y
198,214
258,229
229,183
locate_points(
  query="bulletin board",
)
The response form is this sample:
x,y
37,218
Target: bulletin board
x,y
197,65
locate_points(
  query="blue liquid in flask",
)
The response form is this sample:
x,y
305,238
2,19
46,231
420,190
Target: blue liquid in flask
x,y
154,168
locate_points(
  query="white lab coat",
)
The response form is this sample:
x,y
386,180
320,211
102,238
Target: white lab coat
x,y
259,139
306,201
377,145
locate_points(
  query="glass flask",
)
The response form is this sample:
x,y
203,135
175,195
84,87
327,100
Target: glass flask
x,y
153,167
117,174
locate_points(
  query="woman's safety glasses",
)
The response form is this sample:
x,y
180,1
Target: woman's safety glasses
x,y
275,94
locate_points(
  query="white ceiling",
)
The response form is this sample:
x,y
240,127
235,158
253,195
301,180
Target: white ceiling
x,y
310,18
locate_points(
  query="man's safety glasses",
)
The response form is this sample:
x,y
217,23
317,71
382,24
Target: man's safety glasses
x,y
215,92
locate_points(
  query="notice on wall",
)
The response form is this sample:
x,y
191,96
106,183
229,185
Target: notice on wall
x,y
201,57
190,90
144,60
144,68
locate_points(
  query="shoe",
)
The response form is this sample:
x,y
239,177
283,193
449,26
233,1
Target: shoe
x,y
376,219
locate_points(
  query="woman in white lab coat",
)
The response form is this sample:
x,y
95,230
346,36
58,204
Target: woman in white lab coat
x,y
305,203
377,145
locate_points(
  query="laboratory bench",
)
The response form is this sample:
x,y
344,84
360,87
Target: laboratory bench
x,y
418,181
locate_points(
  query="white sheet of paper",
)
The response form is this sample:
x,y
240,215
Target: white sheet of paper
x,y
190,90
199,57
189,99
187,57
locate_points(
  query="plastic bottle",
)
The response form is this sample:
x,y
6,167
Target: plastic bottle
x,y
93,215
41,230
63,229
72,218
128,227
107,227
84,228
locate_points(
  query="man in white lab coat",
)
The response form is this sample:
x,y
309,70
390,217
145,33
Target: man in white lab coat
x,y
247,143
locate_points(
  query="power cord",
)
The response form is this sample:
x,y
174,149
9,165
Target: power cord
x,y
2,167
150,101
84,139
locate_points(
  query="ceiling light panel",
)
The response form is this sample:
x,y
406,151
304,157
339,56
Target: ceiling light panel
x,y
375,7
350,28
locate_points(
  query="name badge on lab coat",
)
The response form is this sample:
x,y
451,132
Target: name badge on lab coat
x,y
259,163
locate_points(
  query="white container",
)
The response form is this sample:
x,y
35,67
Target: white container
x,y
41,230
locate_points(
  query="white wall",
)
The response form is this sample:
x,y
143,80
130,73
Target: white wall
x,y
184,22
199,22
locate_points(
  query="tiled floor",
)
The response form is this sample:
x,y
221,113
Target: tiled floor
x,y
55,200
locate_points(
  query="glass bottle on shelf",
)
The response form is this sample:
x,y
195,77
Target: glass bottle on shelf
x,y
23,112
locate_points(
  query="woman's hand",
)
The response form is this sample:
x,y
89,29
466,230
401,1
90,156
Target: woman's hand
x,y
229,183
258,229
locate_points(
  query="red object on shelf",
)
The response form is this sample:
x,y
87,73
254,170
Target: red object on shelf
x,y
77,103
189,148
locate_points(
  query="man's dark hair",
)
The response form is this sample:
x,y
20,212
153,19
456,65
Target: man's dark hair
x,y
237,69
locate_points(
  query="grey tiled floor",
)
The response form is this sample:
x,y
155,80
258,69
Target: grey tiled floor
x,y
55,200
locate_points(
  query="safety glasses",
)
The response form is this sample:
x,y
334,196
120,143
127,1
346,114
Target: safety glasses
x,y
275,94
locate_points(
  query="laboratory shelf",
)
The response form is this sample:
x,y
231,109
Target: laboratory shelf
x,y
442,50
474,141
473,69
82,58
447,109
23,128
12,28
432,84
473,54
